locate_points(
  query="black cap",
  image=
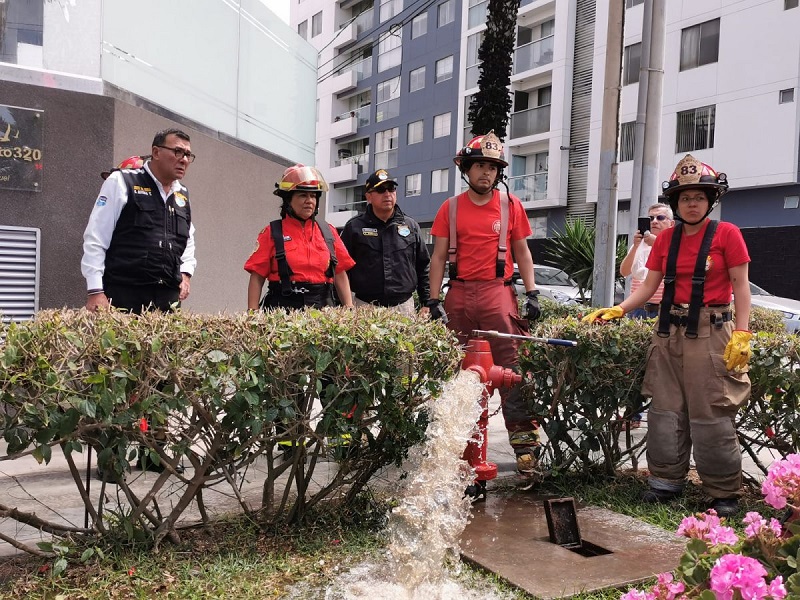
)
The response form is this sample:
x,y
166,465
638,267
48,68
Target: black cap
x,y
377,179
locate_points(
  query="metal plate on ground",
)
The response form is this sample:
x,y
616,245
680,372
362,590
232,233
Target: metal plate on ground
x,y
508,536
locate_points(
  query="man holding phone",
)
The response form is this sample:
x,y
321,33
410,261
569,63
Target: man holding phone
x,y
659,219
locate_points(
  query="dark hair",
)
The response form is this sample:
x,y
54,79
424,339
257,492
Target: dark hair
x,y
161,136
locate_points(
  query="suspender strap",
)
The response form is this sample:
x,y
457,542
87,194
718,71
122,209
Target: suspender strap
x,y
328,236
502,249
284,270
699,281
669,281
452,268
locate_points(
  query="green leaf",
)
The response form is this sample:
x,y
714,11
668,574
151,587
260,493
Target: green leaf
x,y
59,567
216,356
87,554
87,407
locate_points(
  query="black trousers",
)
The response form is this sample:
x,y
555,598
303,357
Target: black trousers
x,y
140,298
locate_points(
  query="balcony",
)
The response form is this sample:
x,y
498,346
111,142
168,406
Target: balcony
x,y
534,55
529,187
347,78
347,168
530,122
348,122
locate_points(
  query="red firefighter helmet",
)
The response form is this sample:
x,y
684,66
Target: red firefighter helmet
x,y
132,162
300,177
692,174
487,148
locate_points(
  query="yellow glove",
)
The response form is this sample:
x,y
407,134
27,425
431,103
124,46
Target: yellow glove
x,y
604,314
737,352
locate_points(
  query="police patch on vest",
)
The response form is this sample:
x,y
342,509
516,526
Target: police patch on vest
x,y
144,191
369,231
101,201
180,199
403,230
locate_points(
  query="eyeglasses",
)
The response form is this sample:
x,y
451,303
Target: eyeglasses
x,y
384,188
658,217
180,153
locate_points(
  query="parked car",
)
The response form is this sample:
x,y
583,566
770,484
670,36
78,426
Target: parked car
x,y
788,307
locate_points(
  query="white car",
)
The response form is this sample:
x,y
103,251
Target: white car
x,y
788,307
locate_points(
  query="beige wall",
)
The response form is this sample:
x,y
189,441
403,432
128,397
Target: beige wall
x,y
232,201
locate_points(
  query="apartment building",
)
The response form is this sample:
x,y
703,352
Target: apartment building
x,y
396,78
86,84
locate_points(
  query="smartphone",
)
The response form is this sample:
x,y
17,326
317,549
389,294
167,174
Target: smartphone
x,y
644,224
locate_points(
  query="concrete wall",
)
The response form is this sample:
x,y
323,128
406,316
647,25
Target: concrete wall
x,y
230,187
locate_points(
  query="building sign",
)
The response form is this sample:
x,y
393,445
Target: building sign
x,y
21,158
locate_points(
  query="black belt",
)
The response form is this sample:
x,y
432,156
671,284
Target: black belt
x,y
715,318
686,306
383,302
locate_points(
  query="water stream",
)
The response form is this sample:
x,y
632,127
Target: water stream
x,y
422,558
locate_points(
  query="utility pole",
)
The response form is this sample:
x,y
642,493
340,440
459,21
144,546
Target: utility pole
x,y
647,138
605,241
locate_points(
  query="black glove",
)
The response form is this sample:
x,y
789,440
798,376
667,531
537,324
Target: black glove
x,y
532,310
437,310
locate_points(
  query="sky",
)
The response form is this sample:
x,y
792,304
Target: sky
x,y
280,8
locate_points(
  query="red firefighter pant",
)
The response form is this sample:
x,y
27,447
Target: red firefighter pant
x,y
492,305
695,400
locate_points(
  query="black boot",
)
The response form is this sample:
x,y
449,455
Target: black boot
x,y
656,496
725,507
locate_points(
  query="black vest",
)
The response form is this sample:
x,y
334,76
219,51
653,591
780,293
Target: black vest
x,y
150,235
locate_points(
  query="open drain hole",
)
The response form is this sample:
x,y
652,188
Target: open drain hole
x,y
588,549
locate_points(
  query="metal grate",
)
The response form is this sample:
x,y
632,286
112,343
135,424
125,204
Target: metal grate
x,y
19,273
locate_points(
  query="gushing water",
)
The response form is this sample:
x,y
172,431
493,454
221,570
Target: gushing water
x,y
425,527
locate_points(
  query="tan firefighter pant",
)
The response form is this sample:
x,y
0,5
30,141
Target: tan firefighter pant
x,y
695,399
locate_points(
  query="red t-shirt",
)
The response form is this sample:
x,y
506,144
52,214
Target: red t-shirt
x,y
478,232
306,253
727,250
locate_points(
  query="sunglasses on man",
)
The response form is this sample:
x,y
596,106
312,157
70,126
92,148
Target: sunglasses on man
x,y
379,189
658,217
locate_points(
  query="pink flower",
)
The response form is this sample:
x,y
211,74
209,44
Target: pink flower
x,y
782,485
707,526
736,573
637,595
757,525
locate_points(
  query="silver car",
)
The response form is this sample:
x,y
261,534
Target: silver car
x,y
788,307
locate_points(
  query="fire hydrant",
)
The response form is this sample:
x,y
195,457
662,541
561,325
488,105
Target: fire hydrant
x,y
478,358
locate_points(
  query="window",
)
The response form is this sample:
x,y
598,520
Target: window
x,y
786,96
419,25
302,30
787,4
632,3
439,180
390,8
413,184
791,201
446,13
416,79
631,63
390,51
473,63
386,148
695,129
387,99
626,141
441,125
19,272
700,45
444,69
316,24
477,13
415,132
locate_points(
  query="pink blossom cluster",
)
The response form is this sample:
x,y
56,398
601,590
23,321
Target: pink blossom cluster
x,y
782,485
707,526
664,589
758,526
736,573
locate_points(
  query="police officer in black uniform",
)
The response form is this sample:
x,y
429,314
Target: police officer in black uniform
x,y
391,257
138,247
